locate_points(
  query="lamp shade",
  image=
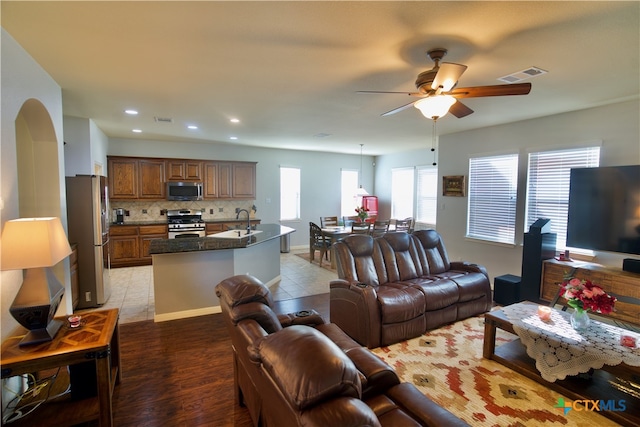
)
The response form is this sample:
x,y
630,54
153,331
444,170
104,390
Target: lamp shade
x,y
33,242
435,106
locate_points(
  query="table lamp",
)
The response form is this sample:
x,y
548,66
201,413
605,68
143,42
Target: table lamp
x,y
35,245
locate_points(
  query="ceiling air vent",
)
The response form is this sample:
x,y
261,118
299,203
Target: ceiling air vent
x,y
163,119
523,75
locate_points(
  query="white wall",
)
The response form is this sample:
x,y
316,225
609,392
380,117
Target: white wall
x,y
320,175
617,126
85,147
22,79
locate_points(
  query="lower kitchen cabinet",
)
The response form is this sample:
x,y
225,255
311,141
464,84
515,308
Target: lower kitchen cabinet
x,y
216,227
130,243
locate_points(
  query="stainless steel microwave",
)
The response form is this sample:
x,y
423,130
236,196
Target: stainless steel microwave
x,y
185,191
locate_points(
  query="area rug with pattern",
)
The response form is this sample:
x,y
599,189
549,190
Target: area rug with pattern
x,y
446,364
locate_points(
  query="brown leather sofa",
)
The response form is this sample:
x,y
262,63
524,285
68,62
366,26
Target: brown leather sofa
x,y
297,370
399,285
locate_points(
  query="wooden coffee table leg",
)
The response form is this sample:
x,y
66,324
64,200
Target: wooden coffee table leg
x,y
489,345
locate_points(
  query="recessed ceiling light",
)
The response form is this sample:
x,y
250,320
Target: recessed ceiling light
x,y
131,112
193,127
234,120
233,138
136,130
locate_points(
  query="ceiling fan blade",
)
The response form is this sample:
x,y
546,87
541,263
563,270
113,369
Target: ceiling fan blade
x,y
397,110
447,76
460,110
497,90
398,93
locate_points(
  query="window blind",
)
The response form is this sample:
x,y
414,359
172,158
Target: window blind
x,y
548,186
402,193
493,184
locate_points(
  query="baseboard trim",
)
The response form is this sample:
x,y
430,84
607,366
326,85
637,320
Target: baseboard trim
x,y
186,314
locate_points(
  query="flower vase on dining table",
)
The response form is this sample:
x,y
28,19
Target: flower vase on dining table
x,y
580,319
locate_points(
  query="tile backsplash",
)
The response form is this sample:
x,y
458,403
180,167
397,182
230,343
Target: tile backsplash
x,y
151,211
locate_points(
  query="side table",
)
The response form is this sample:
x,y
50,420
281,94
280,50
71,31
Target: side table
x,y
94,344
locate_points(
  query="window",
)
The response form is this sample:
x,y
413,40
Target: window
x,y
493,183
348,188
548,186
402,193
289,194
427,195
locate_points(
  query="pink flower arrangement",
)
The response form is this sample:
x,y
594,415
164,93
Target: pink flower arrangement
x,y
585,295
362,213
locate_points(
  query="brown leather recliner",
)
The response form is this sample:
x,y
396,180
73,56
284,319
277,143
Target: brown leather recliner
x,y
398,286
295,369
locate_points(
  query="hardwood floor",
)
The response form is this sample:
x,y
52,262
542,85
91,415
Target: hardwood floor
x,y
180,373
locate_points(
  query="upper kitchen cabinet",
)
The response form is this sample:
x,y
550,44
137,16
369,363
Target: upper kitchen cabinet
x,y
183,170
137,178
230,180
123,178
152,184
133,178
244,180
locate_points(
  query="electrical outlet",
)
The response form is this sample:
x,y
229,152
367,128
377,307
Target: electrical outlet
x,y
237,210
220,209
211,211
87,296
144,211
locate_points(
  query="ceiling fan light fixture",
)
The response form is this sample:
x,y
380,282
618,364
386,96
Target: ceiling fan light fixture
x,y
435,106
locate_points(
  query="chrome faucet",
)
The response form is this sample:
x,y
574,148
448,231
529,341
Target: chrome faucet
x,y
248,219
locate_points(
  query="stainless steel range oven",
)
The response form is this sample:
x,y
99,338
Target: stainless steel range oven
x,y
184,223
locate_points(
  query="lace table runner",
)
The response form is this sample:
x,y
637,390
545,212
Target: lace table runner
x,y
559,350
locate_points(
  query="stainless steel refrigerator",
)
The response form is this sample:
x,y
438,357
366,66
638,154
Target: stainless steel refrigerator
x,y
88,219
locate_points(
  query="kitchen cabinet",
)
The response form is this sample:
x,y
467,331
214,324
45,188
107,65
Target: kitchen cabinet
x,y
216,227
123,178
73,273
135,178
124,245
130,243
183,170
151,176
147,233
230,180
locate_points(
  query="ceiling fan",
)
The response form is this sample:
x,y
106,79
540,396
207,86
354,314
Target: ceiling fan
x,y
439,84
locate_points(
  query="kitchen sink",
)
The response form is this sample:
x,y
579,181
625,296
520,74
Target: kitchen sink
x,y
234,234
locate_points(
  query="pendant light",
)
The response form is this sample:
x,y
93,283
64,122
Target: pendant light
x,y
361,191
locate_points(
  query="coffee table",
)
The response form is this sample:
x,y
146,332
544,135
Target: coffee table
x,y
615,383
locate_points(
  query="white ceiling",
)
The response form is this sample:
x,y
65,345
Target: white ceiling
x,y
290,70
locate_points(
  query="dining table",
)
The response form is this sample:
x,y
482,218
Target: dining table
x,y
334,234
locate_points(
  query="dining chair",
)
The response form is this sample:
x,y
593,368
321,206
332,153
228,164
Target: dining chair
x,y
328,221
380,227
318,242
360,228
348,220
403,225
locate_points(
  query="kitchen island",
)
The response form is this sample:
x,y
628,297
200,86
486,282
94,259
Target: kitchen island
x,y
186,271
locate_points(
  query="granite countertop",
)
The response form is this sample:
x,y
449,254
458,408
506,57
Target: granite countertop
x,y
168,246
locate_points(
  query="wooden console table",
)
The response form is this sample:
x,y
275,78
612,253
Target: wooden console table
x,y
91,348
609,383
614,281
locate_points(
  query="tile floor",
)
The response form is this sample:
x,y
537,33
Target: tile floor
x,y
132,287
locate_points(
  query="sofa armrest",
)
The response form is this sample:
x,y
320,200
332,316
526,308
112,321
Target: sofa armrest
x,y
343,412
354,308
303,317
470,267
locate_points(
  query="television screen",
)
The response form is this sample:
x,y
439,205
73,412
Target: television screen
x,y
604,209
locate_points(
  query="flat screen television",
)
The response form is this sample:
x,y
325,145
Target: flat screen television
x,y
604,209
